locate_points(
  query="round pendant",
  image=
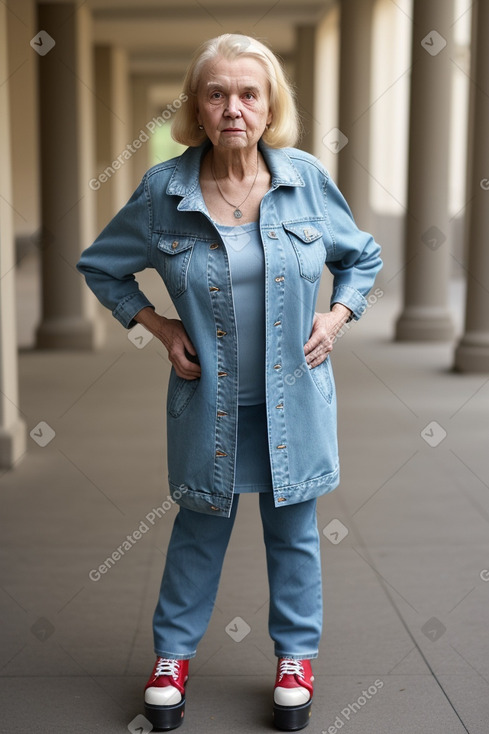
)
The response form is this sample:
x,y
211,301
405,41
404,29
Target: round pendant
x,y
238,213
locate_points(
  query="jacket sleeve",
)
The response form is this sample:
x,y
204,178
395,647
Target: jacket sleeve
x,y
355,260
121,249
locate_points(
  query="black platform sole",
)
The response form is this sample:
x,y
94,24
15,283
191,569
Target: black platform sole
x,y
165,717
291,718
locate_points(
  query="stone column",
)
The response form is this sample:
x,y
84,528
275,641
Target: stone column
x,y
354,103
12,428
425,316
141,111
67,206
113,132
472,353
24,127
304,78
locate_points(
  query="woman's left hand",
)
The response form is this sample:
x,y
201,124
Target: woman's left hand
x,y
324,330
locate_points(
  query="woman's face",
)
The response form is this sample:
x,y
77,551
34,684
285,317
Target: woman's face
x,y
233,102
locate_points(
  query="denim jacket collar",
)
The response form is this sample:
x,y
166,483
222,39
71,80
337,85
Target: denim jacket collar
x,y
185,179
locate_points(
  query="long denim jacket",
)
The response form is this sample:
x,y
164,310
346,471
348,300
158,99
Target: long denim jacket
x,y
304,223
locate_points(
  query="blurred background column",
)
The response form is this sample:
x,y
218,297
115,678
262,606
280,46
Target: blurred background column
x,y
67,155
12,428
113,131
141,113
304,79
472,353
354,107
425,315
24,126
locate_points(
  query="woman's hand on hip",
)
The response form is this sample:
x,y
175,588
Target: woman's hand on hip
x,y
173,336
325,327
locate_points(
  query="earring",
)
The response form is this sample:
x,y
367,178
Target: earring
x,y
201,127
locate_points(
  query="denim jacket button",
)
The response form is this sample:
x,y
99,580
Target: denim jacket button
x,y
221,333
214,246
279,278
220,453
174,244
213,289
273,235
214,508
280,405
282,499
222,374
221,413
277,366
282,446
277,323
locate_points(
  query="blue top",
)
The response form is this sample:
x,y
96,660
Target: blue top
x,y
247,266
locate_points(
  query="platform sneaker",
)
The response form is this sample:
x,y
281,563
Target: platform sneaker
x,y
164,693
292,694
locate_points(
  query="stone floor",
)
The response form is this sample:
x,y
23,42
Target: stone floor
x,y
405,547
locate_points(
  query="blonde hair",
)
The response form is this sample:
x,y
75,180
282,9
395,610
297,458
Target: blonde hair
x,y
283,130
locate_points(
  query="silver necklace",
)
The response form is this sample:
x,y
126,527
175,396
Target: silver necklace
x,y
237,207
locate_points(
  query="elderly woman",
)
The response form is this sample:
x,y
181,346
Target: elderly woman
x,y
239,227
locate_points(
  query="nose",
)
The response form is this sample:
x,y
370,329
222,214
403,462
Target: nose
x,y
232,110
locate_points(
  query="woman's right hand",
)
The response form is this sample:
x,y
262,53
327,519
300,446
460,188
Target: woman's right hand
x,y
173,336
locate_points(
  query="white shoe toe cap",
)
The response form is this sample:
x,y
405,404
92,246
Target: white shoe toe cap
x,y
167,696
291,696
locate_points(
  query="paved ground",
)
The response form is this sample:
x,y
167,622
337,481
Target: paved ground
x,y
406,601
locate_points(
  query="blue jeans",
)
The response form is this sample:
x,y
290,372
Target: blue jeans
x,y
193,568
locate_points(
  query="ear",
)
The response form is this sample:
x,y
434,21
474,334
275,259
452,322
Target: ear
x,y
269,117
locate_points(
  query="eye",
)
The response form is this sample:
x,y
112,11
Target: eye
x,y
249,96
216,95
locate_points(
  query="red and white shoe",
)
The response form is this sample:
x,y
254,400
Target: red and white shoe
x,y
164,693
292,695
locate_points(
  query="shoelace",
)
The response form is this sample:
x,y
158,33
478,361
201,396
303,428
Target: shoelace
x,y
164,666
290,667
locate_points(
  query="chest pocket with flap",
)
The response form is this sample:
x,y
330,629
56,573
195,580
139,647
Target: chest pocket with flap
x,y
176,251
308,244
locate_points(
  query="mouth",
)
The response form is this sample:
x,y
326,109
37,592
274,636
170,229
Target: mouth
x,y
232,130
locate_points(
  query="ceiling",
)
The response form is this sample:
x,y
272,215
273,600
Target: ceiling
x,y
161,35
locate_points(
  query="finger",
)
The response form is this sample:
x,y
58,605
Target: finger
x,y
319,359
320,353
178,352
188,344
191,357
312,343
311,359
184,338
316,362
188,367
187,370
184,367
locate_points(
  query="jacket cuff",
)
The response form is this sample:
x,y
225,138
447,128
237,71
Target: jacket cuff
x,y
126,310
351,298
